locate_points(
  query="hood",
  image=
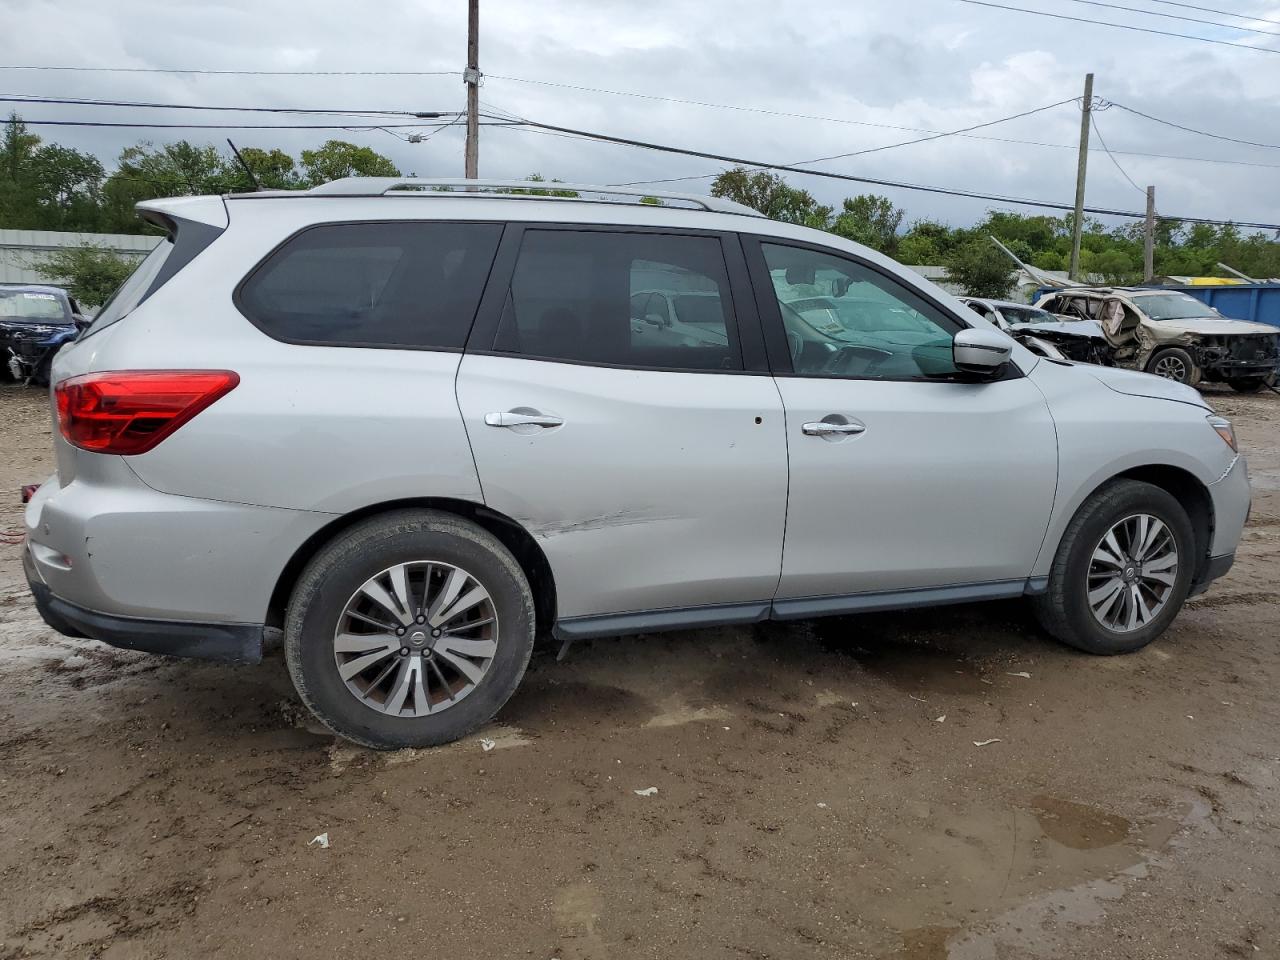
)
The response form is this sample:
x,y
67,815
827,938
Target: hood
x,y
1207,325
1135,384
1089,329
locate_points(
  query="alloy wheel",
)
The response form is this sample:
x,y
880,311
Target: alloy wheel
x,y
1132,573
1171,368
416,638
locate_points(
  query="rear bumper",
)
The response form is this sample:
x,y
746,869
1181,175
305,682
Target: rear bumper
x,y
228,642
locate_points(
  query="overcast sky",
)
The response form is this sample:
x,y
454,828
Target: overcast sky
x,y
931,64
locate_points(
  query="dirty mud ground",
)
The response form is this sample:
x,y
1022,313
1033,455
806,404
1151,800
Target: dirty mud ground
x,y
811,799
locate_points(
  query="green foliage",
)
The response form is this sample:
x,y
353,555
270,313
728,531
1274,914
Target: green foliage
x,y
337,159
543,191
870,220
770,194
981,268
90,272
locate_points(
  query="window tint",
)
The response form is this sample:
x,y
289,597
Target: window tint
x,y
374,284
130,293
843,319
631,299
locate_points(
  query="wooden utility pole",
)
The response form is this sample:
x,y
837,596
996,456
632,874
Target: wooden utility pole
x,y
1149,239
472,79
1086,106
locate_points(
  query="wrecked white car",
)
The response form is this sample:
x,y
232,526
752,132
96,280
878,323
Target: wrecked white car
x,y
1045,333
1174,335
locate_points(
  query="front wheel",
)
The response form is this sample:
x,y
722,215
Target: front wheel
x,y
1174,363
409,630
1122,570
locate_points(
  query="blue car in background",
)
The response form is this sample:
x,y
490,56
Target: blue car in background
x,y
35,321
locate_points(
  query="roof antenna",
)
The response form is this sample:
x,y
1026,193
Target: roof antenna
x,y
247,169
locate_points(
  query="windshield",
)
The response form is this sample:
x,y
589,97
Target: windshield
x,y
1173,306
1016,315
25,306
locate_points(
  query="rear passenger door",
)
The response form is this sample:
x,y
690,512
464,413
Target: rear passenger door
x,y
651,467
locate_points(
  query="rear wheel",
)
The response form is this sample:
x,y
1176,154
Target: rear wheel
x,y
409,630
1174,363
1122,570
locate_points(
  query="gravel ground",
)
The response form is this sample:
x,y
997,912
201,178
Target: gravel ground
x,y
819,790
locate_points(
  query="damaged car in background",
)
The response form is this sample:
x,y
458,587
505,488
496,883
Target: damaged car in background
x,y
1055,337
35,321
1173,335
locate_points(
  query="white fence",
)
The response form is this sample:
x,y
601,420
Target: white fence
x,y
22,251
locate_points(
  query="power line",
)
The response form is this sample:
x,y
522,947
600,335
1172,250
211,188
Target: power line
x,y
244,73
1175,16
1119,26
355,127
830,175
1225,13
1093,119
141,104
1178,126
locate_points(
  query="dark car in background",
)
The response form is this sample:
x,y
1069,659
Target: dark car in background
x,y
35,320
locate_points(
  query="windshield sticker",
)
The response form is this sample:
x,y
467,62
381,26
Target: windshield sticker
x,y
39,296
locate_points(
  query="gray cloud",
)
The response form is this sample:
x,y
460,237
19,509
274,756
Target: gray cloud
x,y
933,64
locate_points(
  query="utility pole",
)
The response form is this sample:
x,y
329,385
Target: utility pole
x,y
1086,106
1149,239
472,79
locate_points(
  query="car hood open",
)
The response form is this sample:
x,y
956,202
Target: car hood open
x,y
1136,384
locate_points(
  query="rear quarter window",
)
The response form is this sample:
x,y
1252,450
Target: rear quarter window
x,y
401,284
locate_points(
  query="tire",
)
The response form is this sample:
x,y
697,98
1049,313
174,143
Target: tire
x,y
1174,363
330,595
1064,609
1247,384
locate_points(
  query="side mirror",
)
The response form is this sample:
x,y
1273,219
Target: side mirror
x,y
81,321
980,351
655,320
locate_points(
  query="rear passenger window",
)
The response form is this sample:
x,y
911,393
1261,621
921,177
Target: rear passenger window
x,y
374,284
625,299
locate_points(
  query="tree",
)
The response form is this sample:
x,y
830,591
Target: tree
x,y
90,272
770,194
870,220
337,159
1115,267
981,268
274,169
17,199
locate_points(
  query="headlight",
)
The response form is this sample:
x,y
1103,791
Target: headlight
x,y
1223,428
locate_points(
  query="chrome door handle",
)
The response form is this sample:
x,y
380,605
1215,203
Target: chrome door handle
x,y
825,428
511,418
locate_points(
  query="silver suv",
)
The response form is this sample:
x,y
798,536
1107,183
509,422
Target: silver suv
x,y
411,426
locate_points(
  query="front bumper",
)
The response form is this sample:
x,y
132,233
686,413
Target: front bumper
x,y
1216,567
228,642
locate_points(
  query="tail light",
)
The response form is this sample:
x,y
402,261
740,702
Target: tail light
x,y
130,411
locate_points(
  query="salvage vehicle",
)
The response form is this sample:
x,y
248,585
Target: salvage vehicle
x,y
406,426
1174,335
1060,338
35,320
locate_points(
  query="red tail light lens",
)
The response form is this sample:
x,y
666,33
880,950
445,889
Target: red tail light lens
x,y
130,411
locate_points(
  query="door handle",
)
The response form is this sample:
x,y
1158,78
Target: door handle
x,y
512,418
825,428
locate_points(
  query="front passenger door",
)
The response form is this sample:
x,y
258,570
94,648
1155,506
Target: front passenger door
x,y
903,474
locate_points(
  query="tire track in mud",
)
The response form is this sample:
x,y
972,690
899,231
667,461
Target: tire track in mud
x,y
1216,601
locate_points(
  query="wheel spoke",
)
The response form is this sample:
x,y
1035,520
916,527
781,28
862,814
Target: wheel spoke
x,y
1112,543
380,624
1138,612
464,666
400,587
483,649
1162,562
375,592
1104,556
1150,538
364,642
354,667
1160,576
435,668
409,667
1101,598
475,595
453,584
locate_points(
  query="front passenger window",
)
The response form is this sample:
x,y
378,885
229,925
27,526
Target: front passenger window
x,y
844,319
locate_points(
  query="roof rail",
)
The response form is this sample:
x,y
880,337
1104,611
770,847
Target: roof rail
x,y
380,186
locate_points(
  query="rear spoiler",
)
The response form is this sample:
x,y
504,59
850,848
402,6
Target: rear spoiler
x,y
191,223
